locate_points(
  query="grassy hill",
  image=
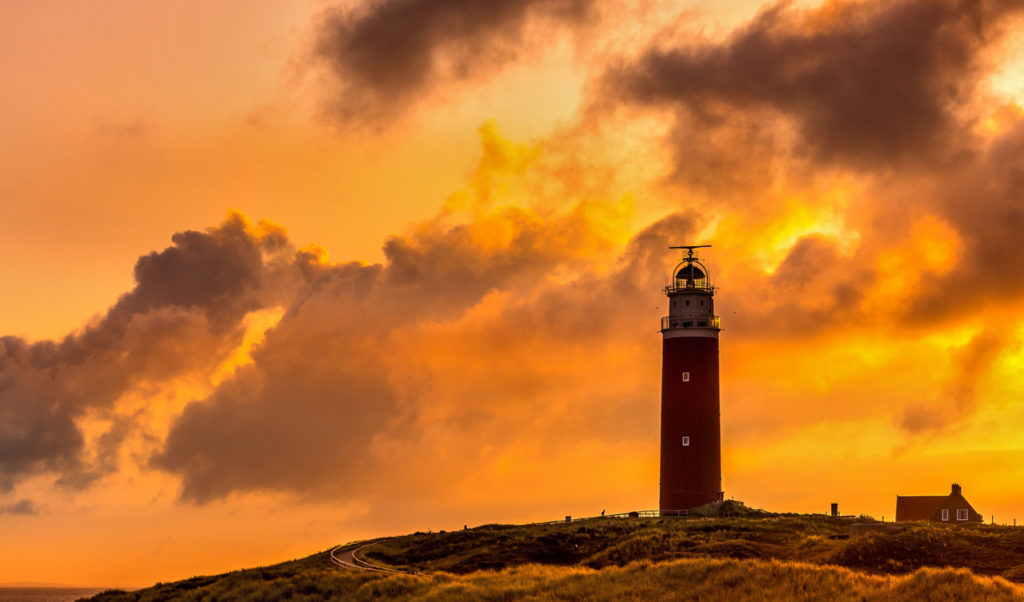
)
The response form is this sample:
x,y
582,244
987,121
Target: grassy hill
x,y
753,555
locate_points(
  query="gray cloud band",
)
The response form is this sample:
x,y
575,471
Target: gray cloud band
x,y
387,56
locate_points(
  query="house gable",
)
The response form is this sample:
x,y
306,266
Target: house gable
x,y
952,503
931,507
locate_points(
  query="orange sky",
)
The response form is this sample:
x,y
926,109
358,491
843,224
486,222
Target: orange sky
x,y
417,258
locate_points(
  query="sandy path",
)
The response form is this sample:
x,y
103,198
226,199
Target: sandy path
x,y
349,559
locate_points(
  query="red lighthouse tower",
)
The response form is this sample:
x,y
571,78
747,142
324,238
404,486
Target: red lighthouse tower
x,y
691,453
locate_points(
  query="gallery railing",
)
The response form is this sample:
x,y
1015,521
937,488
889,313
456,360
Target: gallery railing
x,y
691,322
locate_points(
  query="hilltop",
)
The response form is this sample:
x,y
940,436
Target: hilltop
x,y
752,554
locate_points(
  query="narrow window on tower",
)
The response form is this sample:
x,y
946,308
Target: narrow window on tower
x,y
686,442
686,377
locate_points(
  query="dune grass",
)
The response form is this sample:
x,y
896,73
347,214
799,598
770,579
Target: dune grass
x,y
750,557
599,543
686,579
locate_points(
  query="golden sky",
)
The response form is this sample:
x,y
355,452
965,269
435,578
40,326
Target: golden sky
x,y
281,275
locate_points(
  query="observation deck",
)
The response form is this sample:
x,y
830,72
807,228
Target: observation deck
x,y
689,286
691,322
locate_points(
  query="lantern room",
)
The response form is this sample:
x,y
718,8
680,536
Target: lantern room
x,y
690,294
690,274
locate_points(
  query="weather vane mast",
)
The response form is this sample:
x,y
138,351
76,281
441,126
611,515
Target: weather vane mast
x,y
689,249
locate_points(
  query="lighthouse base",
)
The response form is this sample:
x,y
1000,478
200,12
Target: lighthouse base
x,y
668,512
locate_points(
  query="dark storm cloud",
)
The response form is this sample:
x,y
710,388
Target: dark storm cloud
x,y
866,84
184,314
818,289
326,396
892,89
306,410
387,55
984,202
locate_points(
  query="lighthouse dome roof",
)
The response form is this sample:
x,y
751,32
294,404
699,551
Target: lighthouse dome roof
x,y
690,272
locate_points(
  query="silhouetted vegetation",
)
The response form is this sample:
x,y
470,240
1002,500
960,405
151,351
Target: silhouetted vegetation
x,y
758,555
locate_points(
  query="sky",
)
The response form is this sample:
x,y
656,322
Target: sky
x,y
283,275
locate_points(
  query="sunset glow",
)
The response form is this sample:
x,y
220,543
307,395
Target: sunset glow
x,y
282,275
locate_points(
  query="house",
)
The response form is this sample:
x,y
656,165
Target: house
x,y
952,508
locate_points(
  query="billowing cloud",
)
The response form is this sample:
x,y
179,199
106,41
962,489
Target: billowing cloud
x,y
879,104
858,167
388,55
183,315
981,200
870,85
344,395
503,340
921,248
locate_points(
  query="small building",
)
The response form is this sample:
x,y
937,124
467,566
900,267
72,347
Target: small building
x,y
952,508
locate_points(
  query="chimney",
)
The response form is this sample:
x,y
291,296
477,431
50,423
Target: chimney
x,y
956,489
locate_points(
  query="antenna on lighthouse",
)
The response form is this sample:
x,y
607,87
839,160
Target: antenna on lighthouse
x,y
690,272
690,249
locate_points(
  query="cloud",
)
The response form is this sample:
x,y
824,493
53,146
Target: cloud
x,y
816,288
24,507
863,177
508,338
344,376
980,199
923,249
386,56
959,398
184,315
398,375
491,331
880,105
868,85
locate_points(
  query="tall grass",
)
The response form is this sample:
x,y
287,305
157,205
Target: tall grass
x,y
773,557
684,579
601,543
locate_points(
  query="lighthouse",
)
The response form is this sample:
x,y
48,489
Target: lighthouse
x,y
691,452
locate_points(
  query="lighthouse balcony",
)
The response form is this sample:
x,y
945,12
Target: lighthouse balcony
x,y
689,286
691,322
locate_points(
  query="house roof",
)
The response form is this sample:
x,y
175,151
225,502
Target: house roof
x,y
918,507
